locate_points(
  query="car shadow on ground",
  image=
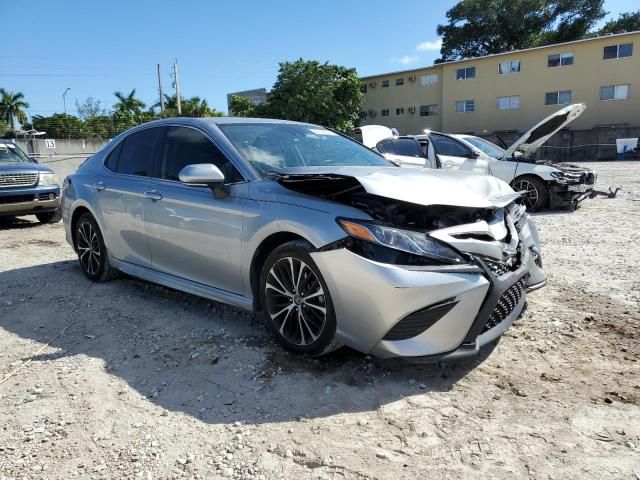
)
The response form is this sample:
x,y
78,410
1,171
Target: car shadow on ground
x,y
190,355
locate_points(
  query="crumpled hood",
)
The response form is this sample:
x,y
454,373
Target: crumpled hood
x,y
418,186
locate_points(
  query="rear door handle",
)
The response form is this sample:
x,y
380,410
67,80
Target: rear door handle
x,y
153,195
99,186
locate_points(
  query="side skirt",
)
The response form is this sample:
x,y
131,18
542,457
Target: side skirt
x,y
184,285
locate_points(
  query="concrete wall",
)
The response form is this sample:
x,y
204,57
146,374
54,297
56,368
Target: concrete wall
x,y
66,157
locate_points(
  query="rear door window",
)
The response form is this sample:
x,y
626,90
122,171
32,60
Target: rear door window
x,y
112,159
408,147
386,146
138,152
186,146
447,146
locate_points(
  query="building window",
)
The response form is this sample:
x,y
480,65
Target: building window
x,y
363,116
429,79
618,51
384,84
614,92
560,59
464,73
562,97
400,111
363,88
399,82
465,106
385,112
428,110
509,103
505,68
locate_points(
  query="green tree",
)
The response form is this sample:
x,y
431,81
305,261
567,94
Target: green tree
x,y
99,126
128,111
89,108
241,106
626,22
314,92
190,107
59,125
482,27
11,107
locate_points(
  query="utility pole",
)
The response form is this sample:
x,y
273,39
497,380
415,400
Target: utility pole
x,y
176,82
160,90
64,99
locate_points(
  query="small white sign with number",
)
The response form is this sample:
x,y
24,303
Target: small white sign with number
x,y
50,143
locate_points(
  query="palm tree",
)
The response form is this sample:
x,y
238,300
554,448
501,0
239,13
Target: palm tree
x,y
11,105
128,103
190,107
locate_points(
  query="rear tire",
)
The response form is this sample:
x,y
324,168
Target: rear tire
x,y
50,217
92,252
536,192
296,301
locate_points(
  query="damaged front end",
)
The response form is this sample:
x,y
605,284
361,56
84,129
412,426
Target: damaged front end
x,y
571,184
472,263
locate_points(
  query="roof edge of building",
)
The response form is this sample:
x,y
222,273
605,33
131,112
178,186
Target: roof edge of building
x,y
510,52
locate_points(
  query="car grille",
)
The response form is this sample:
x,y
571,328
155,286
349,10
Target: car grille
x,y
18,179
4,200
417,322
506,305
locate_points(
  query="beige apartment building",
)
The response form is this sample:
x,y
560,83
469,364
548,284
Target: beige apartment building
x,y
512,91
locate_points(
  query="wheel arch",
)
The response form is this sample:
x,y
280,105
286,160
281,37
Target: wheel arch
x,y
268,245
537,177
77,212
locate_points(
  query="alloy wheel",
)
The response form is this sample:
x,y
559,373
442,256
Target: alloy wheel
x,y
531,193
295,301
89,248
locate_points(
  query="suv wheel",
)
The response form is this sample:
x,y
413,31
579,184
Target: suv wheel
x,y
92,252
536,195
50,217
296,300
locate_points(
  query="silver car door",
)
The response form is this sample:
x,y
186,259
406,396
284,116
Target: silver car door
x,y
119,195
192,234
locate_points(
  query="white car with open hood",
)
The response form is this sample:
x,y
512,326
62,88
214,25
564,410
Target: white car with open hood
x,y
546,184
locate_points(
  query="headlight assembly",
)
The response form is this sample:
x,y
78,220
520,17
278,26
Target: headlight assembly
x,y
47,179
559,176
414,243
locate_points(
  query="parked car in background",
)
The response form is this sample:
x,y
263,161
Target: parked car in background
x,y
334,244
27,188
404,151
545,184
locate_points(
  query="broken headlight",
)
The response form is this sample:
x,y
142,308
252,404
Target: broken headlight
x,y
559,176
413,243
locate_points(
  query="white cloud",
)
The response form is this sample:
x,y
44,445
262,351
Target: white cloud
x,y
406,60
428,46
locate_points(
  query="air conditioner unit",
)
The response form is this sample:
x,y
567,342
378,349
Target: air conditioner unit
x,y
372,84
412,109
412,78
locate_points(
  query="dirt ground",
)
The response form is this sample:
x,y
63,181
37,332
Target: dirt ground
x,y
149,383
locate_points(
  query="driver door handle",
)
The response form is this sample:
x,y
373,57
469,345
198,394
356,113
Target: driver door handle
x,y
99,186
153,195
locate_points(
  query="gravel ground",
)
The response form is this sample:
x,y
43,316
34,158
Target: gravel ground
x,y
148,383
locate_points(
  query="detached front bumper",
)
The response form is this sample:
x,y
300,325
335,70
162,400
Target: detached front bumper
x,y
568,195
29,201
377,305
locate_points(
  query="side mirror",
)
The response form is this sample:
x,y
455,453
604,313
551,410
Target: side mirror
x,y
473,155
34,159
204,174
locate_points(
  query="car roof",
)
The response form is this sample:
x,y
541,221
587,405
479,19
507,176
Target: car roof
x,y
219,121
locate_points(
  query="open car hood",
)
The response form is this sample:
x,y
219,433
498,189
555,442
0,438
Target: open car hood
x,y
417,186
542,131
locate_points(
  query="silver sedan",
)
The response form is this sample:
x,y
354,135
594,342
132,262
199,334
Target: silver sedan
x,y
336,245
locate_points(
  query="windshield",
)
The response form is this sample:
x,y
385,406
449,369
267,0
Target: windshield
x,y
486,146
281,146
10,153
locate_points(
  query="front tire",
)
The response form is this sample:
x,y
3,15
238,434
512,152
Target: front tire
x,y
50,217
92,252
296,301
536,193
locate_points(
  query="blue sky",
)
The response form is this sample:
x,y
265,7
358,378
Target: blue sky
x,y
96,48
